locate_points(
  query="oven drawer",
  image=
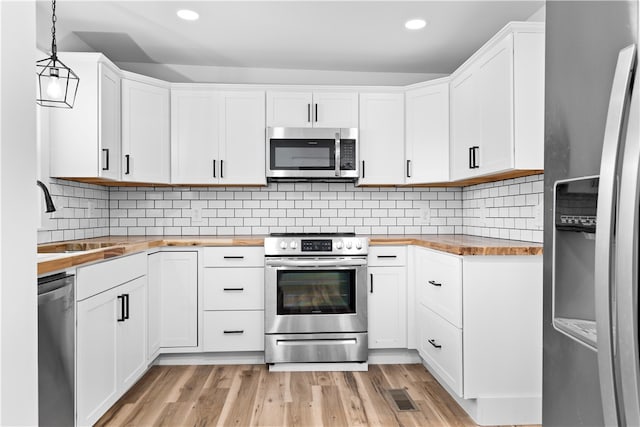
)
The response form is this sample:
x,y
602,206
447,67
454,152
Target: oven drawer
x,y
233,330
439,283
440,344
234,256
294,348
387,256
234,289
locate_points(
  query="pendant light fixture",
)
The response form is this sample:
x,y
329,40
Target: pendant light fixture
x,y
57,83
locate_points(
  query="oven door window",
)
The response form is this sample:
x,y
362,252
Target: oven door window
x,y
299,154
316,292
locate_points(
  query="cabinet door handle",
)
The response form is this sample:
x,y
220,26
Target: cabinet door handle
x,y
126,298
221,168
363,169
233,257
238,331
371,289
316,113
232,289
475,150
122,309
433,343
126,160
470,157
308,113
106,159
408,168
387,256
214,168
434,283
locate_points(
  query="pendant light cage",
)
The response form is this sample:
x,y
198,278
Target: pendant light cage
x,y
57,83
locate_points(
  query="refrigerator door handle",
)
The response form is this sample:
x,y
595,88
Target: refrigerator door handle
x,y
607,196
627,266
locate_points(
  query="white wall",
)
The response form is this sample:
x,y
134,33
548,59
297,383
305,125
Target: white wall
x,y
18,216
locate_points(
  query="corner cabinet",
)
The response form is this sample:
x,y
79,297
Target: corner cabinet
x,y
312,109
85,140
145,131
387,297
497,105
427,139
480,331
381,135
217,137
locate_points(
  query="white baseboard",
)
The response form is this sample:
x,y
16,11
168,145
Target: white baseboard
x,y
393,356
231,358
318,367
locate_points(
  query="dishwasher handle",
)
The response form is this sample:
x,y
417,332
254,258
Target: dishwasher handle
x,y
54,287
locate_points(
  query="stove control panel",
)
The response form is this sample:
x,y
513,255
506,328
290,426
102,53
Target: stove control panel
x,y
318,245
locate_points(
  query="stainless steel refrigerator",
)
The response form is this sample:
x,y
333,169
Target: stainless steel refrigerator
x,y
591,371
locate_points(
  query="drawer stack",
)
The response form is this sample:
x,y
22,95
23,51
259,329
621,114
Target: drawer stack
x,y
439,292
233,299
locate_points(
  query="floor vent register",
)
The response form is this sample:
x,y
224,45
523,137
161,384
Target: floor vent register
x,y
401,400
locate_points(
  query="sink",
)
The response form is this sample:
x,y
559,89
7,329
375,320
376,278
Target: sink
x,y
70,248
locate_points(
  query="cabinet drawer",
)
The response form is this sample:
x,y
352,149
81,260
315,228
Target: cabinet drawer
x,y
234,330
96,278
234,288
439,284
233,256
441,346
387,256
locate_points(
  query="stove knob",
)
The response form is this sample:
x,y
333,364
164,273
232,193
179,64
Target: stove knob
x,y
358,244
293,244
348,244
339,244
283,245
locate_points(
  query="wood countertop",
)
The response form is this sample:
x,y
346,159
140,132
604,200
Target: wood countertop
x,y
73,253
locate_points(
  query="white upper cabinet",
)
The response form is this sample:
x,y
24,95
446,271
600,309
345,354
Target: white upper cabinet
x,y
85,140
381,138
317,109
195,136
242,138
217,137
427,141
145,132
497,105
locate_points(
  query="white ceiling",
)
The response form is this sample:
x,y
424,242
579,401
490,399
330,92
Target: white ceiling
x,y
361,36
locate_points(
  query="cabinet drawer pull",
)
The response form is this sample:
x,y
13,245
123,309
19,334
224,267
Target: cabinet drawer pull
x,y
308,113
233,257
387,256
434,283
433,343
239,331
232,289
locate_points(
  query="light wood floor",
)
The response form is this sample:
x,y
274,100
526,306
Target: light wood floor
x,y
250,395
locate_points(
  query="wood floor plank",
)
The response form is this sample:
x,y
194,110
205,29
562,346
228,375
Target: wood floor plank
x,y
250,395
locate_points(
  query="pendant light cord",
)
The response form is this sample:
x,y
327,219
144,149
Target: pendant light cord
x,y
54,18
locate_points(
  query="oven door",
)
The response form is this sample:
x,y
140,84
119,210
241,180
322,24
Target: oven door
x,y
317,295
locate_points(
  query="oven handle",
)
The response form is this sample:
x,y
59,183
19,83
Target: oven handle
x,y
316,263
316,342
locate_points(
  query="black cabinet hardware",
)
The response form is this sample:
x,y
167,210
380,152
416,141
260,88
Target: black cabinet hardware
x,y
233,257
470,157
434,283
214,168
232,289
408,168
363,169
126,160
433,343
316,113
122,309
308,113
387,256
221,168
371,289
106,159
126,305
473,157
239,331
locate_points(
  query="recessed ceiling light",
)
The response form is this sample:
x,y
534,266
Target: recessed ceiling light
x,y
188,15
415,24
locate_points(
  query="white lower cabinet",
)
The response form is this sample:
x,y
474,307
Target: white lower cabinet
x,y
111,335
233,299
387,297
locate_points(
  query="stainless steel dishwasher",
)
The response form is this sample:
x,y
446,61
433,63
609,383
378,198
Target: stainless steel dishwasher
x,y
56,350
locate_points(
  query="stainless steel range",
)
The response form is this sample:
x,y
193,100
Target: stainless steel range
x,y
315,298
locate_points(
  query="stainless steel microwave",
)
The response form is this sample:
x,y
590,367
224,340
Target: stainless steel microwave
x,y
312,153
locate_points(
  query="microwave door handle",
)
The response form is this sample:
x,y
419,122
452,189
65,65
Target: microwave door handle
x,y
626,264
605,219
337,154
